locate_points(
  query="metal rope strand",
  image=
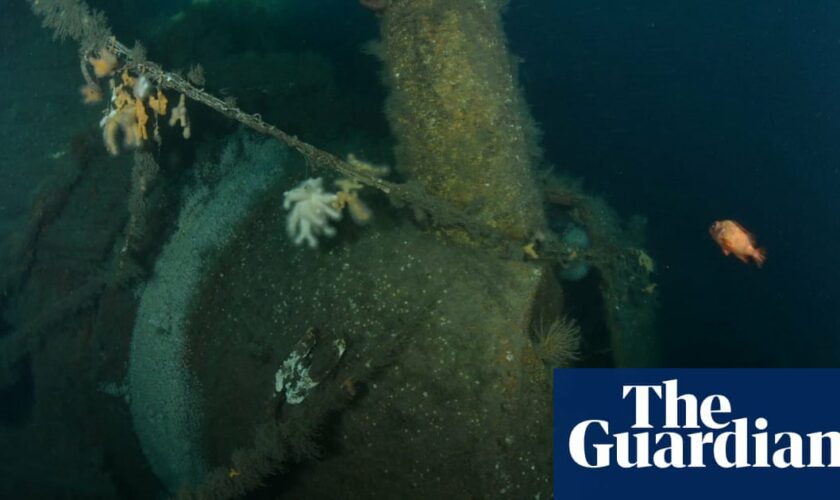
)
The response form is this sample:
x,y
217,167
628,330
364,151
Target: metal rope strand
x,y
74,19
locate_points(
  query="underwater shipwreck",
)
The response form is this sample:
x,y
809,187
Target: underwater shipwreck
x,y
212,297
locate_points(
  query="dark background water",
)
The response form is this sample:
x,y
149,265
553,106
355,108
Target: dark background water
x,y
693,111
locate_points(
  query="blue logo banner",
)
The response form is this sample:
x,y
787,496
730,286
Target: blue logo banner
x,y
696,433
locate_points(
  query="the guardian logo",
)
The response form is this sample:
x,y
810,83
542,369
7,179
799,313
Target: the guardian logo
x,y
695,432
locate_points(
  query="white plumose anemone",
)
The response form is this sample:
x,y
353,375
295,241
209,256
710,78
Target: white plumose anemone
x,y
311,212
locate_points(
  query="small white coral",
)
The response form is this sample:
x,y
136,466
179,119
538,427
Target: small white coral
x,y
312,210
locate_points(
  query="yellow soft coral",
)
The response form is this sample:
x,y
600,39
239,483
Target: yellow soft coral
x,y
159,103
179,115
530,251
122,99
91,93
366,167
348,185
142,119
128,80
103,65
645,261
110,127
128,117
349,197
125,121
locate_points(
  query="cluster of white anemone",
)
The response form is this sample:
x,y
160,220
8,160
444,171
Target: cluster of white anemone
x,y
311,212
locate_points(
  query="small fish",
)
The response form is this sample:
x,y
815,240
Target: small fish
x,y
734,239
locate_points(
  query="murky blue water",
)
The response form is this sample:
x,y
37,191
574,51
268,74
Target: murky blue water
x,y
692,112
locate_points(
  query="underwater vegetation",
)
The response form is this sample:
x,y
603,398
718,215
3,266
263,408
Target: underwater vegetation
x,y
232,332
558,344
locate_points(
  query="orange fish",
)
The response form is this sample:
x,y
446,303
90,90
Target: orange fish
x,y
734,239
